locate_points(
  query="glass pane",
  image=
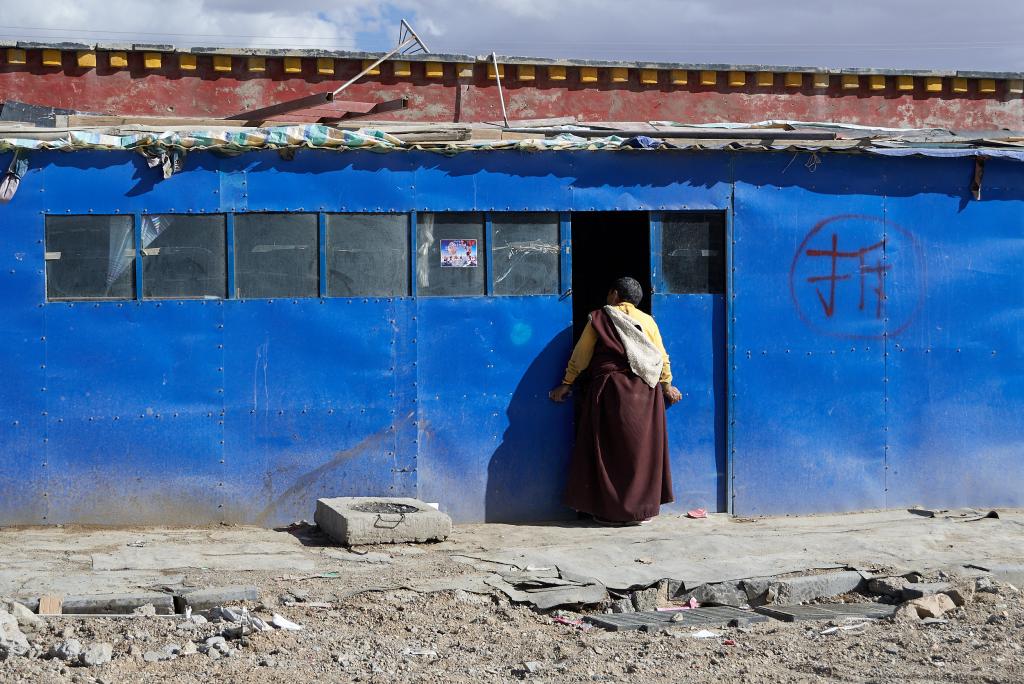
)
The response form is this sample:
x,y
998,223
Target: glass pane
x,y
448,254
183,257
90,257
693,253
367,255
525,253
276,255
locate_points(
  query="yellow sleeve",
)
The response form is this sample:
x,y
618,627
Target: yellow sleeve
x,y
581,355
651,328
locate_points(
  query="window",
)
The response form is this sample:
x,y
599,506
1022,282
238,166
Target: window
x,y
367,255
183,257
525,253
449,254
90,257
276,255
693,253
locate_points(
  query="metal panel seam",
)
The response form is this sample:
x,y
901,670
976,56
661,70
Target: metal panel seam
x,y
730,312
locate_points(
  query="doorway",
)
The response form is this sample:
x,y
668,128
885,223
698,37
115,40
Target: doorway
x,y
607,245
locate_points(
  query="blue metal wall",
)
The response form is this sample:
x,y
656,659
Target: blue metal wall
x,y
164,412
248,410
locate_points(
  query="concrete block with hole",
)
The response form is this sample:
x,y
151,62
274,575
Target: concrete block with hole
x,y
380,520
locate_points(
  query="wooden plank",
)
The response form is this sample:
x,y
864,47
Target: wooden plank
x,y
51,604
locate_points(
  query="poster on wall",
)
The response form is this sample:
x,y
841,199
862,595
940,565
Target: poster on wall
x,y
458,253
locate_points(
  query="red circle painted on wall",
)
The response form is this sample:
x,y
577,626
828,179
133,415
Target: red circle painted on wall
x,y
858,276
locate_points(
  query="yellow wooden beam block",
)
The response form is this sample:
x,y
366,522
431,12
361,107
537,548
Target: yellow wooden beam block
x,y
820,80
649,77
588,74
16,56
904,83
737,79
465,70
765,79
619,75
876,82
959,85
293,65
401,69
256,64
526,72
933,84
152,60
374,71
433,70
86,59
51,58
222,63
987,86
325,66
188,62
678,76
794,80
708,78
491,72
118,60
556,73
1015,86
850,81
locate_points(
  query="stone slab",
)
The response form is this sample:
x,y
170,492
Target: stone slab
x,y
716,616
204,599
380,520
836,611
793,590
919,589
103,604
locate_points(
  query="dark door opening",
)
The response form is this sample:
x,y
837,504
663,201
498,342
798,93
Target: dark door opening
x,y
607,245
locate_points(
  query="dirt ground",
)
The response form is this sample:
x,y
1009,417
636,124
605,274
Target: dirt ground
x,y
390,634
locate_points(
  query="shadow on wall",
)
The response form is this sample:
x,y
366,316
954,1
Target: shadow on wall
x,y
526,473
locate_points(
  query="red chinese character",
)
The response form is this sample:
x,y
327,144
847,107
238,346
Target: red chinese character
x,y
862,271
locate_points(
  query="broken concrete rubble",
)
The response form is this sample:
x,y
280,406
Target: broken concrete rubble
x,y
932,606
96,654
118,604
887,586
12,640
919,589
207,598
549,588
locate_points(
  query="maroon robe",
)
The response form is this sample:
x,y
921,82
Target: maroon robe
x,y
620,465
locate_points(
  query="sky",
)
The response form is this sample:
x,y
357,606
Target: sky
x,y
909,34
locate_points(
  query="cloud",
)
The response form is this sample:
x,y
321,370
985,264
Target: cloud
x,y
875,33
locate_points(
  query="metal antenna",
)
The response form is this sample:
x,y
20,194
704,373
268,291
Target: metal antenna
x,y
408,43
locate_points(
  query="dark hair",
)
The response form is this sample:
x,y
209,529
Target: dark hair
x,y
629,290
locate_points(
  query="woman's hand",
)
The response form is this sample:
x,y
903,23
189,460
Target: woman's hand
x,y
672,395
560,393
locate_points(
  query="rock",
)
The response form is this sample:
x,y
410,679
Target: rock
x,y
97,654
198,619
189,649
913,591
958,595
986,585
148,609
887,586
67,650
186,626
533,667
721,594
932,606
267,661
153,656
646,599
27,620
739,622
996,619
906,613
623,606
12,639
301,595
213,654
